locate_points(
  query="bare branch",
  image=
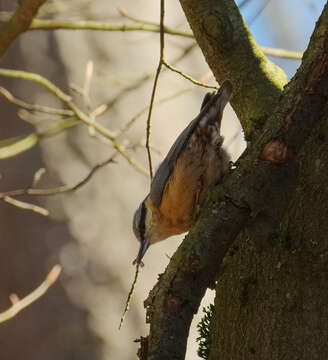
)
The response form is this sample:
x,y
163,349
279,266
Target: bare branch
x,y
87,82
128,300
42,24
127,126
35,107
26,206
123,13
95,25
59,189
18,144
19,22
159,67
66,99
38,24
172,68
282,53
18,74
37,176
142,79
19,305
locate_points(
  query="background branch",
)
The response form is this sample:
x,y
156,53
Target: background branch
x,y
35,107
19,22
43,24
158,71
26,206
79,114
59,189
19,305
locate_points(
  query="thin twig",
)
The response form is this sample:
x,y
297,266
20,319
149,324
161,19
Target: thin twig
x,y
19,305
101,26
66,99
37,176
135,85
35,107
127,126
38,79
282,53
188,77
154,88
123,13
128,300
26,206
59,189
105,26
16,145
142,79
95,25
87,82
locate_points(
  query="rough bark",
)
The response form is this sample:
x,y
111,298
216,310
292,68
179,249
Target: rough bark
x,y
232,53
256,195
271,297
272,294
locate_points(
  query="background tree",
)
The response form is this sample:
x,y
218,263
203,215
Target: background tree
x,y
270,289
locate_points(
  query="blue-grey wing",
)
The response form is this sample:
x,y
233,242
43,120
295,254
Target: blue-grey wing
x,y
166,167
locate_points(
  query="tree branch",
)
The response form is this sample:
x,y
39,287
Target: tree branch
x,y
19,22
187,77
79,114
26,206
34,107
232,53
158,71
59,189
282,53
18,144
19,305
43,24
260,183
40,24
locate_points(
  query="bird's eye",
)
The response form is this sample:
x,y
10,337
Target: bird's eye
x,y
142,221
139,219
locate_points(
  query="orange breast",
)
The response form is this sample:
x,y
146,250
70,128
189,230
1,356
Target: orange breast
x,y
202,163
180,197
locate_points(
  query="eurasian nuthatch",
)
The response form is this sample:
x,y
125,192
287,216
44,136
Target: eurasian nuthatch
x,y
194,163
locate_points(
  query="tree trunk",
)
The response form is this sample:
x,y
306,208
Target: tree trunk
x,y
272,295
261,234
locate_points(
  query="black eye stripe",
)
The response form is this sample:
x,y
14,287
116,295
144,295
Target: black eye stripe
x,y
142,223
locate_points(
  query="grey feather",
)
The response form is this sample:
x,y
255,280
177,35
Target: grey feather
x,y
206,99
219,100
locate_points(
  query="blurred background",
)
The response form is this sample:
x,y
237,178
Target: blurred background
x,y
89,231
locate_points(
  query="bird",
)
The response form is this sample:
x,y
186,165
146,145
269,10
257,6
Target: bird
x,y
195,162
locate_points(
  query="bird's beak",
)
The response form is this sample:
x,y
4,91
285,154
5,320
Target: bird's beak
x,y
144,245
